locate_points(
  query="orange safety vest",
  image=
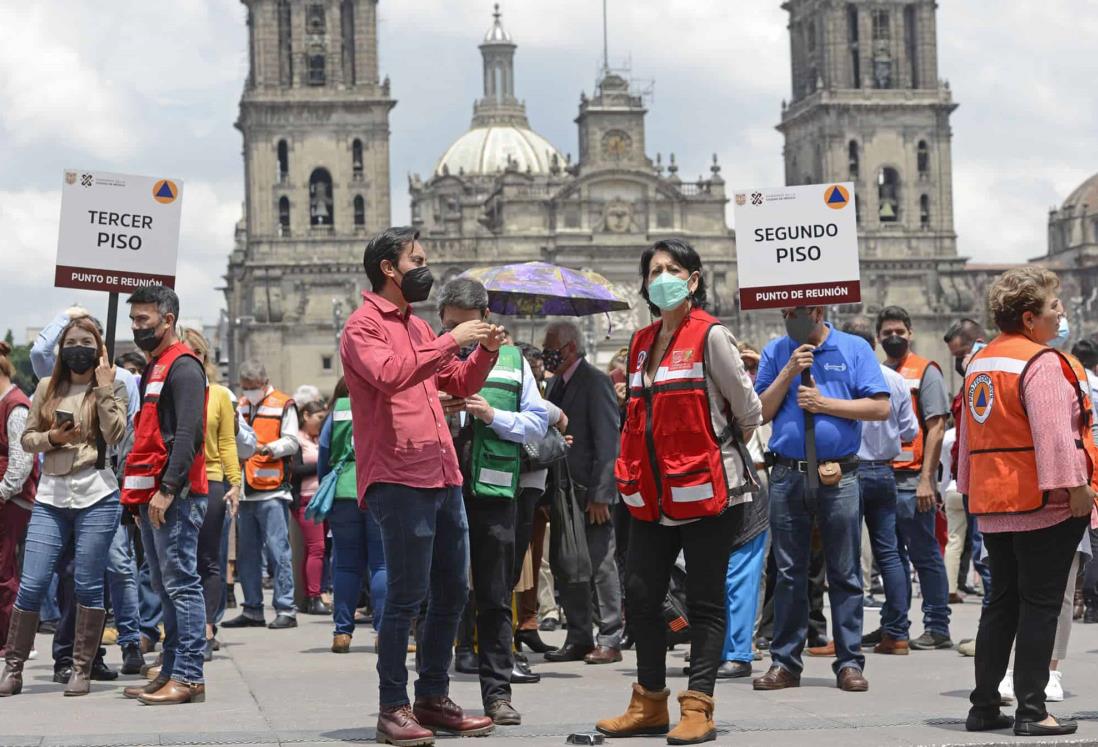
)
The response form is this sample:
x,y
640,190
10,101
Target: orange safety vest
x,y
914,369
670,462
266,473
1002,462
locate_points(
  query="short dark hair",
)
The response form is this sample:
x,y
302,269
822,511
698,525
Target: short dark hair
x,y
463,293
967,329
1086,350
133,358
859,326
893,314
685,255
386,245
165,299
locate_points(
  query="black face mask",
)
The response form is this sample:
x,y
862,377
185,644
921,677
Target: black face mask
x,y
959,365
800,326
147,339
79,358
552,359
416,284
895,347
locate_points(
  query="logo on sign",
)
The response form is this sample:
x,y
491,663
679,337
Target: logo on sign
x,y
741,199
165,191
682,360
756,198
836,197
86,180
981,396
70,177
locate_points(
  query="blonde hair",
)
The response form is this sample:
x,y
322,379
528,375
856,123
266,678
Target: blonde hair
x,y
1017,291
197,342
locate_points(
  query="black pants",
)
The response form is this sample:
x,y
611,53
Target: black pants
x,y
209,550
653,549
1029,573
492,563
1090,581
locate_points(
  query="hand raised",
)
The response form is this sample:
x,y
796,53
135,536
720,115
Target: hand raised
x,y
104,373
496,336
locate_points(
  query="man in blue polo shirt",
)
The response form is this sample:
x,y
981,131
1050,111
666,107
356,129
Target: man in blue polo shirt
x,y
847,387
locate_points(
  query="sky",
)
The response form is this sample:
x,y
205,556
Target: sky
x,y
138,87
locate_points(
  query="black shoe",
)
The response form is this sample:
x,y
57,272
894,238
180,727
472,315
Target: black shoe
x,y
1035,729
503,713
62,674
465,661
871,602
243,621
132,660
316,606
869,640
48,627
101,672
976,722
549,624
816,642
522,675
929,641
230,598
282,622
762,643
734,669
532,641
570,652
969,590
214,643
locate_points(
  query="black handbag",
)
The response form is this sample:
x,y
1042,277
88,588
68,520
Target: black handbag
x,y
547,450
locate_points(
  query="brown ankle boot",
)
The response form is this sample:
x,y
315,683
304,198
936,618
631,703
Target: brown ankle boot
x,y
696,725
85,645
20,640
646,715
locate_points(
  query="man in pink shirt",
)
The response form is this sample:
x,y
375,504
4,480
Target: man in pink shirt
x,y
409,479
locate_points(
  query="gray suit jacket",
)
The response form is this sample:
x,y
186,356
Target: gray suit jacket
x,y
593,421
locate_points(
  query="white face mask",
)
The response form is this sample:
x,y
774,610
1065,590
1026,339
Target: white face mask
x,y
253,395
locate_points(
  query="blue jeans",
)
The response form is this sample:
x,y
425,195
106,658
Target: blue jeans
x,y
356,549
148,601
838,513
745,569
122,577
172,553
426,537
262,525
919,544
878,487
92,530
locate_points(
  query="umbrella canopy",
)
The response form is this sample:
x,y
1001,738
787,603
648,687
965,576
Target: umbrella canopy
x,y
542,289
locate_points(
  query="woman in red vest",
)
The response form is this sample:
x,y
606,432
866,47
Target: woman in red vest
x,y
687,479
1027,463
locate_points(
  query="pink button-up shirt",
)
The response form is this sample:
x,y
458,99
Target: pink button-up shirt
x,y
395,366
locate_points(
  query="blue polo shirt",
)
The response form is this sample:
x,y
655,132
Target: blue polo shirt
x,y
844,368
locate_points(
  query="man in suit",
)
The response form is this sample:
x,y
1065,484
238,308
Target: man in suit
x,y
587,397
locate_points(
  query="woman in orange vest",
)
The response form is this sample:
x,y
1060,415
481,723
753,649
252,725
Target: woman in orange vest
x,y
1027,463
686,477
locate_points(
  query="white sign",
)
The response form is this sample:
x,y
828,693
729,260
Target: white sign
x,y
797,246
118,232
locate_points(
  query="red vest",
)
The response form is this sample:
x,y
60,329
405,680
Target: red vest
x,y
670,462
11,400
914,369
149,457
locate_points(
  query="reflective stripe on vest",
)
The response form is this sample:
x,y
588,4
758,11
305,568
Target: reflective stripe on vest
x,y
495,463
914,369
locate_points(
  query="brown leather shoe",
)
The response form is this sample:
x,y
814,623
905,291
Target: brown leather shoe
x,y
777,679
135,692
956,598
398,726
890,645
443,714
603,655
852,680
828,650
175,693
341,643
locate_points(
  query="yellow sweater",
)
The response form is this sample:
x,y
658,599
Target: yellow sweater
x,y
221,458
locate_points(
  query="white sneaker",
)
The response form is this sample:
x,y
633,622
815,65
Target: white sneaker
x,y
1054,690
33,654
1006,688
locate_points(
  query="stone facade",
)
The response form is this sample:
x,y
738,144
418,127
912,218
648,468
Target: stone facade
x,y
315,121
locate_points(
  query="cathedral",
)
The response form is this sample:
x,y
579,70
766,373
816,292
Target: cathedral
x,y
866,105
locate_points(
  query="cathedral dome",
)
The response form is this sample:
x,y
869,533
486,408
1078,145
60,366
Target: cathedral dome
x,y
1085,194
488,150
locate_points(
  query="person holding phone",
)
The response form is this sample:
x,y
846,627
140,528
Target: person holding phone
x,y
76,410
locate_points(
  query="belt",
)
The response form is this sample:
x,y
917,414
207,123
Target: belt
x,y
875,462
846,464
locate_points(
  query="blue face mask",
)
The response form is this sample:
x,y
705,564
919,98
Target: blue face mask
x,y
1063,332
668,291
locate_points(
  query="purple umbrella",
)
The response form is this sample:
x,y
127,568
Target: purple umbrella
x,y
542,289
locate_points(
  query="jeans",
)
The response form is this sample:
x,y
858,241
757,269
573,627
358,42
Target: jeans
x,y
919,543
92,529
653,549
209,550
426,539
148,601
837,511
13,523
877,483
1030,571
744,578
492,562
262,525
356,549
122,578
172,553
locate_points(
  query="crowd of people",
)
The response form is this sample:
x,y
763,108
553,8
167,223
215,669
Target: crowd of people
x,y
458,493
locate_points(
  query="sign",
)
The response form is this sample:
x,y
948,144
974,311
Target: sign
x,y
118,232
797,246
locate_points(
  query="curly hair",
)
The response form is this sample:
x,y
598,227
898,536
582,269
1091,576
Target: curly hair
x,y
1017,291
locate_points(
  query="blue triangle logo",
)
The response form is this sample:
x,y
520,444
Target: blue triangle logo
x,y
981,400
836,197
165,191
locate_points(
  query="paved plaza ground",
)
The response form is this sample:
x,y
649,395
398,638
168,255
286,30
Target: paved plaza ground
x,y
285,688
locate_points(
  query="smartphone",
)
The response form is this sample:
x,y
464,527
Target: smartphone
x,y
60,417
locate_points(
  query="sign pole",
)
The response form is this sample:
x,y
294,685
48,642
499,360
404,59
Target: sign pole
x,y
112,325
813,475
